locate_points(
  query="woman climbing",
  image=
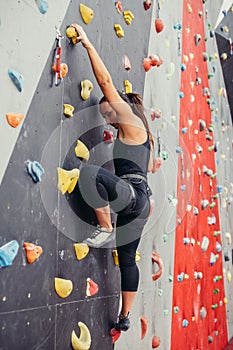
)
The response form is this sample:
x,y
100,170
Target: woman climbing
x,y
126,192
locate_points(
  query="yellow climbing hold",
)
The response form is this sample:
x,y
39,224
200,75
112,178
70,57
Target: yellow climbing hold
x,y
68,110
82,151
128,87
87,87
63,287
87,13
172,71
81,250
72,34
128,16
190,10
67,179
119,31
229,276
228,238
84,340
116,260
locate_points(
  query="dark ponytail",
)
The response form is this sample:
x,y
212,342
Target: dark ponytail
x,y
136,103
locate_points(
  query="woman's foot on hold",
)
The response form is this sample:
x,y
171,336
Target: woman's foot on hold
x,y
99,237
123,323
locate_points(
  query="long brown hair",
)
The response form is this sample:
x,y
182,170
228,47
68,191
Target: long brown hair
x,y
135,101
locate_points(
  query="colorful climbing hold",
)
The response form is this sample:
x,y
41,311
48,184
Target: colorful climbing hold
x,y
204,244
159,25
83,342
144,326
17,79
35,170
118,6
86,12
147,4
81,250
68,110
42,6
33,251
157,259
128,17
82,151
87,87
128,87
72,34
119,31
92,288
63,287
62,71
108,136
14,119
115,335
8,253
155,342
127,63
67,179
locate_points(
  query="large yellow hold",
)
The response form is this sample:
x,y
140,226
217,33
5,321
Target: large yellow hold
x,y
87,13
82,151
87,88
63,287
81,250
67,179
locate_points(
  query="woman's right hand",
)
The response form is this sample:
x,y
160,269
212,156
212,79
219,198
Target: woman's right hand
x,y
82,36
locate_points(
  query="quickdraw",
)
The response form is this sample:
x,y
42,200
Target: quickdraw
x,y
59,69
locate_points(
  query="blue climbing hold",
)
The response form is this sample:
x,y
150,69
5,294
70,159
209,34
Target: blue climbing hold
x,y
35,170
8,252
42,6
17,79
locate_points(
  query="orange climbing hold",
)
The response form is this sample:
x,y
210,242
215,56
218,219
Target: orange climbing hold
x,y
92,288
63,71
156,259
115,335
153,60
33,252
144,326
14,119
159,25
155,342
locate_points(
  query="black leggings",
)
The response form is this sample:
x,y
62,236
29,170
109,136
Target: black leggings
x,y
100,187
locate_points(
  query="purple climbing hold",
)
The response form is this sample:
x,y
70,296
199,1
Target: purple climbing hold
x,y
35,170
17,78
8,252
42,6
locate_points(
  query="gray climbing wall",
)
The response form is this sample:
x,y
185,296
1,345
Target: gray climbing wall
x,y
37,212
32,315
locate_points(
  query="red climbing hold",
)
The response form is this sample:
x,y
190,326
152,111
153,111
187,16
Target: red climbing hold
x,y
115,335
156,60
108,136
147,4
33,252
156,259
144,326
92,288
155,342
147,64
159,25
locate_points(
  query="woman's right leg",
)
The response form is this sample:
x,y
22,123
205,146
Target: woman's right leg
x,y
98,187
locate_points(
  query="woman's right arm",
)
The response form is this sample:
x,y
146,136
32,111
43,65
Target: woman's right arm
x,y
102,75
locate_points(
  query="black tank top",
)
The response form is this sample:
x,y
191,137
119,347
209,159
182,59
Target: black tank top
x,y
131,159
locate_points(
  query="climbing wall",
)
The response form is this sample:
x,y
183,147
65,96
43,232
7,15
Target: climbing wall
x,y
188,237
198,293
